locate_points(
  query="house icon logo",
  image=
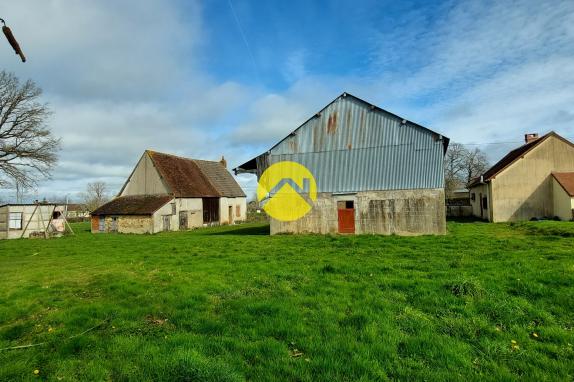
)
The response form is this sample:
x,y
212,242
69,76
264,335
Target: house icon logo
x,y
287,191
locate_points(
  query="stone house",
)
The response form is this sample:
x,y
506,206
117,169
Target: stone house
x,y
169,193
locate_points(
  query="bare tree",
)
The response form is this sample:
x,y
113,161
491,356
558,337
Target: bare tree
x,y
96,195
461,166
476,164
454,166
28,150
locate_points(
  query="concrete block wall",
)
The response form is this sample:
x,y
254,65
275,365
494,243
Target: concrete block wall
x,y
401,212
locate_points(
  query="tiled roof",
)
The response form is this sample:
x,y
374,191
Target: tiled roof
x,y
189,178
133,205
511,157
220,178
566,180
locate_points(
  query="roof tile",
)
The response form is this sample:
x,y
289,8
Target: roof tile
x,y
188,178
133,205
566,180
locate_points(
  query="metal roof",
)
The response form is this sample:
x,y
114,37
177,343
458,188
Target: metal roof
x,y
352,145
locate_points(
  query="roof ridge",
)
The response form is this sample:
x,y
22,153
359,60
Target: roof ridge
x,y
207,177
513,155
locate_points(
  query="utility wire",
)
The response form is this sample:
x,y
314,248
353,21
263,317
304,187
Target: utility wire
x,y
242,33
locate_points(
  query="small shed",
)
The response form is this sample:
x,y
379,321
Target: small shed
x,y
563,189
35,219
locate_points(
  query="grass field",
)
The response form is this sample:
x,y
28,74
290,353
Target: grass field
x,y
485,302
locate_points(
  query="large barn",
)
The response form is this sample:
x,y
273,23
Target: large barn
x,y
375,171
169,193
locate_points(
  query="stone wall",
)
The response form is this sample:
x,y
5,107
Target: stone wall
x,y
125,224
134,224
401,212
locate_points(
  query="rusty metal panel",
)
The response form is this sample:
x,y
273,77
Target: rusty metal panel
x,y
352,147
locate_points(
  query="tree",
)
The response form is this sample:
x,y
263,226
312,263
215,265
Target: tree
x,y
96,195
461,166
476,164
28,150
454,167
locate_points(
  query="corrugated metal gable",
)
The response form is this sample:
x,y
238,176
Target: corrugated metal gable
x,y
351,146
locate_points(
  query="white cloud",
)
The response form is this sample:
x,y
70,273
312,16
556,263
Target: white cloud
x,y
122,77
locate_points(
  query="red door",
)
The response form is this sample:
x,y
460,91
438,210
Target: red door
x,y
346,216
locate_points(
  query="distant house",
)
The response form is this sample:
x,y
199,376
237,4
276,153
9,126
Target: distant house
x,y
375,172
74,210
169,193
529,182
35,219
458,204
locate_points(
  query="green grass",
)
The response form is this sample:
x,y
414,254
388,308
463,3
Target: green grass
x,y
231,304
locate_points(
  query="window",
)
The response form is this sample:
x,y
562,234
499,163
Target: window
x,y
238,211
484,203
345,204
173,209
473,196
15,220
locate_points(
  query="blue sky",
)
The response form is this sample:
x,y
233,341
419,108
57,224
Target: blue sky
x,y
202,79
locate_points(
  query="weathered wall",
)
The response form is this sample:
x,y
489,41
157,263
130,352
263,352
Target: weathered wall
x,y
95,224
459,211
401,212
4,222
36,219
125,224
225,203
484,190
144,180
524,189
192,206
562,202
134,224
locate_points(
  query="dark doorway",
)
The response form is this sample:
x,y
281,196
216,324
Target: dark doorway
x,y
114,227
346,216
230,215
166,222
183,220
210,210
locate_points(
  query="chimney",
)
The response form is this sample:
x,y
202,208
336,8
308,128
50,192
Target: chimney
x,y
530,137
223,161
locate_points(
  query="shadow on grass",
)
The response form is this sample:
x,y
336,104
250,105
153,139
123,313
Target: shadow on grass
x,y
468,219
239,230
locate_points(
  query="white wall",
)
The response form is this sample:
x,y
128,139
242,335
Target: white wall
x,y
36,217
145,179
192,206
225,203
563,203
